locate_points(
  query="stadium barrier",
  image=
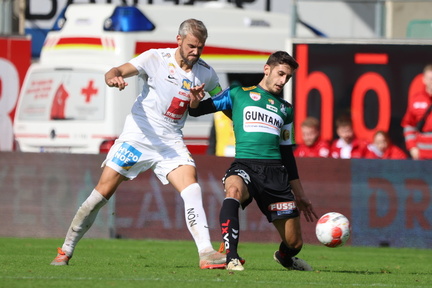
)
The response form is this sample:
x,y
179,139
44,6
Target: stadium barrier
x,y
389,202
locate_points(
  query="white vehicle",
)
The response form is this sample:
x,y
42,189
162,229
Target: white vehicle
x,y
64,104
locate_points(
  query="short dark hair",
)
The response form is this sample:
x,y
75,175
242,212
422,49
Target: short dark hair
x,y
344,120
282,57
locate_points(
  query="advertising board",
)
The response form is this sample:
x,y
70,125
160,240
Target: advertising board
x,y
369,79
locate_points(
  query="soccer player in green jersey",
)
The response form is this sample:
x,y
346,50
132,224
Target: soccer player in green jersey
x,y
264,168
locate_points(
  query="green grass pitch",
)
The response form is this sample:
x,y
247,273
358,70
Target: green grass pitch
x,y
24,262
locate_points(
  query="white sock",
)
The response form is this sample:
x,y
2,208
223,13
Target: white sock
x,y
196,220
83,220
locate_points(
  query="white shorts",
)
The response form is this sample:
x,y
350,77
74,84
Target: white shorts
x,y
130,157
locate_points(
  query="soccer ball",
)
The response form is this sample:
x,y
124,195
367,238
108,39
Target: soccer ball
x,y
333,229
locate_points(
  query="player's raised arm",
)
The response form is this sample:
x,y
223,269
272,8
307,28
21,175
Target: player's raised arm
x,y
115,76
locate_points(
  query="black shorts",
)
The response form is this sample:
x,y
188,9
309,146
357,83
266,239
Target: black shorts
x,y
268,184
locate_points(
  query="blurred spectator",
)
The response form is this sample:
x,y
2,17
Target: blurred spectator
x,y
383,148
313,145
347,145
417,121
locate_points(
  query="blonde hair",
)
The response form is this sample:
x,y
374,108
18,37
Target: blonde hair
x,y
311,122
194,27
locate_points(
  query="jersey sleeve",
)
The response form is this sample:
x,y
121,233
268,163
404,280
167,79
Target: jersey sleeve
x,y
223,100
146,62
287,142
220,102
289,161
215,91
212,86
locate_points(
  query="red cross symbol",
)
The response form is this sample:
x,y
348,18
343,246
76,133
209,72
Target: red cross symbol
x,y
89,91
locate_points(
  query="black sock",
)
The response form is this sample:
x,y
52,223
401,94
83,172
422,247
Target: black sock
x,y
287,253
230,226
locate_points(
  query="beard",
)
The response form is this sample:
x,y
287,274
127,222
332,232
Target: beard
x,y
186,60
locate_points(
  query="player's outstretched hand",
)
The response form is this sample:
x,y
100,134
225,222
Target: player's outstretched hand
x,y
305,207
196,94
114,78
117,81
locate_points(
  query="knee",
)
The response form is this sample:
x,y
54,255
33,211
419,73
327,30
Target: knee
x,y
235,192
295,242
232,192
297,245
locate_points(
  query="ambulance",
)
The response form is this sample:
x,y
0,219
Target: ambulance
x,y
64,103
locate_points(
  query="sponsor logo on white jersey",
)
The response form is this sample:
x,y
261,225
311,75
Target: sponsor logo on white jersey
x,y
186,84
171,70
126,156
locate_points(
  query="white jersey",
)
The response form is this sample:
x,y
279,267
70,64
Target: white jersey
x,y
161,108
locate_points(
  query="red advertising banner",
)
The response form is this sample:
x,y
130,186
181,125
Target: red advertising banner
x,y
147,209
391,203
15,58
40,193
388,202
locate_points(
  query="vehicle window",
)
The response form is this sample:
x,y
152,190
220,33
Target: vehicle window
x,y
63,94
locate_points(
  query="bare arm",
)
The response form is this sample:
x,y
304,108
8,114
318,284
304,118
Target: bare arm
x,y
302,201
115,76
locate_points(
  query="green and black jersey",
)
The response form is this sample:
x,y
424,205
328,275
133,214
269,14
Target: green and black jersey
x,y
261,120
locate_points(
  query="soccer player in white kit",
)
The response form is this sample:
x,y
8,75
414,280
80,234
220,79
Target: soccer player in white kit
x,y
152,137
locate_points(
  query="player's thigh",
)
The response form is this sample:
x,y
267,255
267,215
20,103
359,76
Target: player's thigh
x,y
182,176
290,231
236,188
